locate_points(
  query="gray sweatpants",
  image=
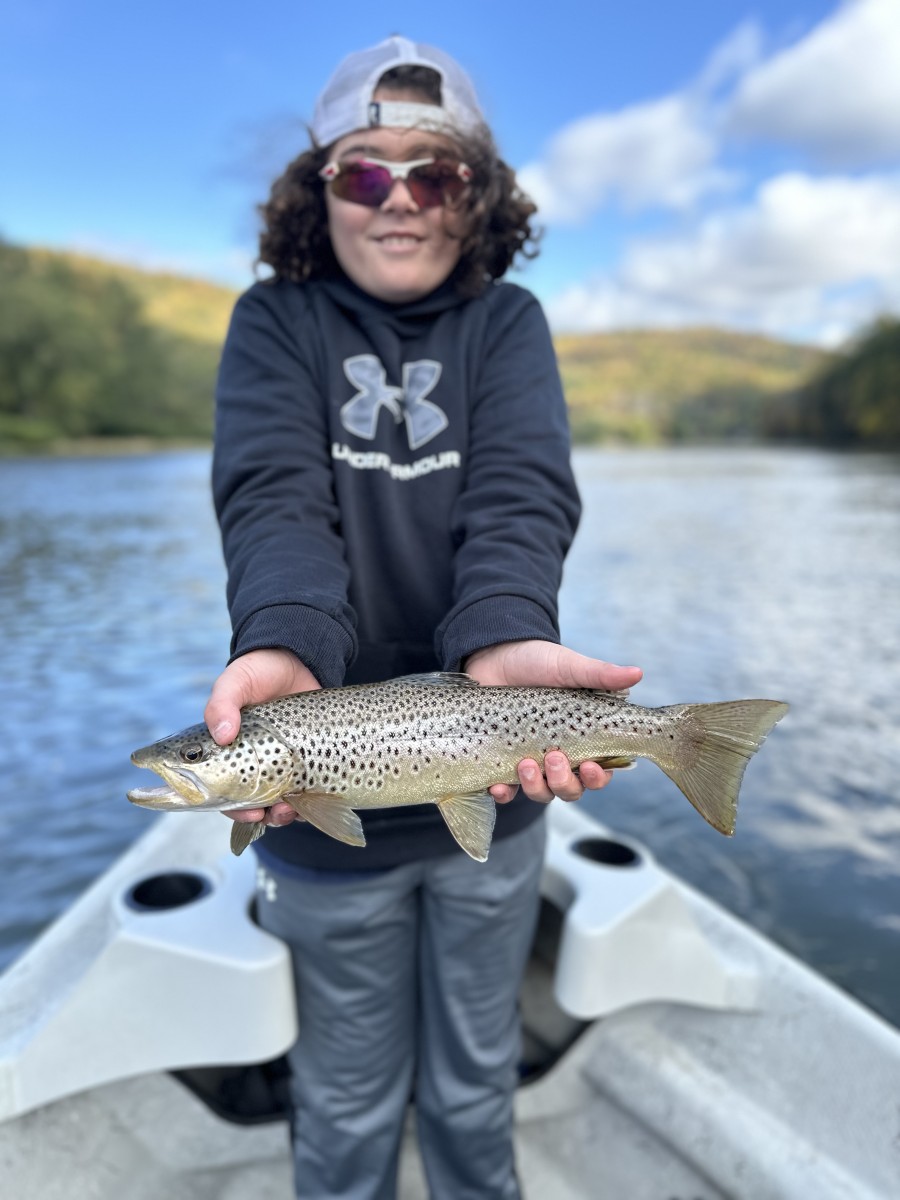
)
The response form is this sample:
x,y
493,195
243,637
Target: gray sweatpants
x,y
408,979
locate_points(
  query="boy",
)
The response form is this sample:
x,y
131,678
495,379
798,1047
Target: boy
x,y
393,486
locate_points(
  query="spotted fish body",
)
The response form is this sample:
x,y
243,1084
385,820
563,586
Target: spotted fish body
x,y
443,738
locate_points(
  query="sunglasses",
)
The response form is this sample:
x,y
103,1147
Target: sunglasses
x,y
431,181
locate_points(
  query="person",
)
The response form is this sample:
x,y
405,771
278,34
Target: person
x,y
393,484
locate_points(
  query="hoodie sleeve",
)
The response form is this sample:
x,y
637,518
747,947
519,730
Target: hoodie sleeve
x,y
517,515
273,490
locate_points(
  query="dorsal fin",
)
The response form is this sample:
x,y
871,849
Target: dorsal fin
x,y
622,695
439,679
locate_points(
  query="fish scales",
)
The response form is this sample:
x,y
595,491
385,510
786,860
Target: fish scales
x,y
444,739
393,747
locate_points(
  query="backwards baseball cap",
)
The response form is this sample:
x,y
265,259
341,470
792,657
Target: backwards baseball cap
x,y
346,104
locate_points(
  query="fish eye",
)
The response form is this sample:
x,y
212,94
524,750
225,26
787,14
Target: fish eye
x,y
193,753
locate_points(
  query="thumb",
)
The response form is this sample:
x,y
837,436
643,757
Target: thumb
x,y
577,670
230,692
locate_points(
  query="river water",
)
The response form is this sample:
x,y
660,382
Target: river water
x,y
723,572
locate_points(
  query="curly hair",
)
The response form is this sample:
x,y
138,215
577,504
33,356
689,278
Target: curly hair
x,y
494,216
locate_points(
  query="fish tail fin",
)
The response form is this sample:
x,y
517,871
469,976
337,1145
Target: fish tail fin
x,y
723,737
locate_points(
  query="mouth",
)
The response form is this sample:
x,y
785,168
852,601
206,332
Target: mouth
x,y
193,791
399,241
154,797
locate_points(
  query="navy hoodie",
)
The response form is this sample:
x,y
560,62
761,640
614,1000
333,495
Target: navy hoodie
x,y
394,492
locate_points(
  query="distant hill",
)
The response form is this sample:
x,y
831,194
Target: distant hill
x,y
90,348
686,384
853,398
191,308
93,350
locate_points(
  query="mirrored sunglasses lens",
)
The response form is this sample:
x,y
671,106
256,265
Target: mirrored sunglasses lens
x,y
362,184
434,184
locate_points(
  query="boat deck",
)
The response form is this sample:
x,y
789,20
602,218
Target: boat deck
x,y
671,1052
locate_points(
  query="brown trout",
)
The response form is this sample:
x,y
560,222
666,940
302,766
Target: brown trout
x,y
444,739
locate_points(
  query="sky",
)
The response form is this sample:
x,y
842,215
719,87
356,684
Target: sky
x,y
714,162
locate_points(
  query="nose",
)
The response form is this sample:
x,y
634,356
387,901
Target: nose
x,y
399,198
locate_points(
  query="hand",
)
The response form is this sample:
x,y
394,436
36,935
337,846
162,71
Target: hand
x,y
544,664
254,678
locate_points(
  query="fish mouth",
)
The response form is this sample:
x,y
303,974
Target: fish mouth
x,y
182,789
155,797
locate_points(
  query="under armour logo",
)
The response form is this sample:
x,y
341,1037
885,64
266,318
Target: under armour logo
x,y
266,884
424,419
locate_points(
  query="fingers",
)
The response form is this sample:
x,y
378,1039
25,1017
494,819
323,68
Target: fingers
x,y
503,792
593,776
558,778
278,814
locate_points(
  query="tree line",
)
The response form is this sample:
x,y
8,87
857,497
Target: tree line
x,y
80,357
852,400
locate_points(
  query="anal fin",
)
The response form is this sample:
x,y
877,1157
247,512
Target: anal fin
x,y
470,817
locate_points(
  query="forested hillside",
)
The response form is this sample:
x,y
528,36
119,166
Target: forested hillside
x,y
678,385
853,399
90,349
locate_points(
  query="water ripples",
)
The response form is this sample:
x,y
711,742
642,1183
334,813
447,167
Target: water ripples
x,y
724,573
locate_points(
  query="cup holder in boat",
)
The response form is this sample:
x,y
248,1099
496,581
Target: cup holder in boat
x,y
173,889
607,852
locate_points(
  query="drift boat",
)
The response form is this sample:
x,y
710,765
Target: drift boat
x,y
670,1051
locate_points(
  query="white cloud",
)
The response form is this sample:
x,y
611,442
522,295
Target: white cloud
x,y
807,257
654,154
835,93
659,154
735,56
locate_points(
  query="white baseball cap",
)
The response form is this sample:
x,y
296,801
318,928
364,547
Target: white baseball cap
x,y
346,103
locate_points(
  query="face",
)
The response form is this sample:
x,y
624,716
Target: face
x,y
398,252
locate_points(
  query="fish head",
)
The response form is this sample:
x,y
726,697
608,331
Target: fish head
x,y
253,771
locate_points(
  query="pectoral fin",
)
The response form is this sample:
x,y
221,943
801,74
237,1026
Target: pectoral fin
x,y
470,816
332,814
245,832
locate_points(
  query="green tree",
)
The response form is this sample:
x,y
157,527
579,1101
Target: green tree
x,y
78,358
855,400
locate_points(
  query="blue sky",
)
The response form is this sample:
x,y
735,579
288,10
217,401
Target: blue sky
x,y
717,161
